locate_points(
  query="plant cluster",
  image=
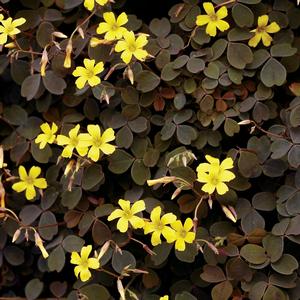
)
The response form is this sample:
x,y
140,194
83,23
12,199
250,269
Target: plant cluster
x,y
192,117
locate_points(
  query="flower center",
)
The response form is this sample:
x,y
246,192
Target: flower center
x,y
9,29
84,264
261,29
213,17
97,142
29,180
114,27
182,233
215,180
128,214
74,141
159,226
90,73
132,47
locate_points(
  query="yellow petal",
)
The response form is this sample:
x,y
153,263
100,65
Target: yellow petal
x,y
273,28
85,252
3,38
190,237
262,21
202,20
141,41
102,28
129,37
79,71
180,244
109,18
94,153
126,56
177,225
80,82
122,225
22,173
102,2
62,140
45,127
203,167
85,275
19,186
75,258
208,188
34,172
137,222
222,12
226,176
222,25
155,214
222,188
253,42
155,238
169,234
108,135
99,67
227,163
120,46
67,151
18,22
117,213
122,19
82,151
212,160
40,183
148,227
124,204
95,80
89,63
138,206
188,224
77,270
266,39
94,130
93,263
209,8
140,54
30,192
89,4
168,218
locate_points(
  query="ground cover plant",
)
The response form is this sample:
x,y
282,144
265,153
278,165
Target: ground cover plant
x,y
150,149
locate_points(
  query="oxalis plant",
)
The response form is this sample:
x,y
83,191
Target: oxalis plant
x,y
150,156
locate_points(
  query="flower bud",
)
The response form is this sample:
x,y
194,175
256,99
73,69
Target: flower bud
x,y
69,48
39,243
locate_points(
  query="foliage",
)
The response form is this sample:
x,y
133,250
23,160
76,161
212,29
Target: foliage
x,y
99,105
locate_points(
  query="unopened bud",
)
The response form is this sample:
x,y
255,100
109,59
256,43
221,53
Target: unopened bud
x,y
104,249
16,235
59,35
44,61
69,167
10,45
39,243
176,193
130,75
245,122
230,213
165,180
80,30
121,289
69,48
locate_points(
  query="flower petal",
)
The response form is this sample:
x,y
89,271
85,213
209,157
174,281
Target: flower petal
x,y
62,140
141,41
202,20
117,213
30,192
140,54
94,153
266,39
75,258
19,186
40,183
155,238
34,172
180,244
126,56
222,25
155,214
122,19
85,252
94,130
253,42
22,173
188,224
108,135
227,163
138,206
222,188
124,204
137,222
80,82
273,28
168,218
222,12
122,225
190,237
209,8
109,18
208,188
102,28
169,234
93,263
85,275
263,21
120,46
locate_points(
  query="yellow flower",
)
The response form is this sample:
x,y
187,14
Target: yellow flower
x,y
213,19
90,4
74,141
9,28
29,182
214,174
164,298
99,143
112,26
88,73
132,46
183,233
84,263
48,135
262,32
158,226
127,215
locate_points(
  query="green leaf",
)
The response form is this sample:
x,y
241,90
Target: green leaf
x,y
120,161
273,73
295,116
286,265
56,259
92,175
73,243
242,15
122,260
95,291
139,172
231,127
213,274
33,289
222,291
48,232
195,65
282,50
254,254
71,198
239,55
40,155
100,232
15,115
53,83
30,86
147,81
185,296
